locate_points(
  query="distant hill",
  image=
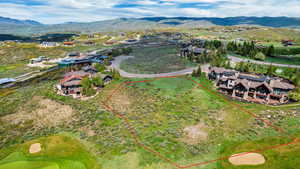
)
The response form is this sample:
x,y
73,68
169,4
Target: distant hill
x,y
29,27
10,21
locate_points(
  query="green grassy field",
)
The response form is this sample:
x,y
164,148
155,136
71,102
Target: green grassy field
x,y
84,135
155,60
158,110
58,152
279,158
179,104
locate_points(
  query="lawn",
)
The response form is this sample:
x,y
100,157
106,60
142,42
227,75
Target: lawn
x,y
151,60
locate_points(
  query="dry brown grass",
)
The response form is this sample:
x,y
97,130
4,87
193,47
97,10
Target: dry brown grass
x,y
195,134
121,101
45,112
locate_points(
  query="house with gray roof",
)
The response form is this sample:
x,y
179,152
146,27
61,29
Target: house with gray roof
x,y
256,88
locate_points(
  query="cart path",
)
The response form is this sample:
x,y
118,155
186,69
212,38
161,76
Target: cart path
x,y
237,60
118,60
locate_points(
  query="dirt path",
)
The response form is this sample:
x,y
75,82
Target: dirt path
x,y
237,60
118,60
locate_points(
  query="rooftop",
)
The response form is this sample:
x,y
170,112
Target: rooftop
x,y
7,80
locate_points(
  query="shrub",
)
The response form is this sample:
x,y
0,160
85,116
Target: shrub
x,y
295,94
260,56
115,74
97,82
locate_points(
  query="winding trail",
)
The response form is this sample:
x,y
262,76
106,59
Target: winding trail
x,y
237,60
118,60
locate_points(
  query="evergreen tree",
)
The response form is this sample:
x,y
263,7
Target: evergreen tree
x,y
271,70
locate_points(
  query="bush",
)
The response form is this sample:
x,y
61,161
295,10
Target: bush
x,y
260,56
97,82
115,74
295,95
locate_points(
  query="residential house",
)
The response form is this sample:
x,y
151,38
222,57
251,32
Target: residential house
x,y
251,87
7,82
38,60
69,44
74,54
71,83
89,69
48,44
192,50
287,42
89,43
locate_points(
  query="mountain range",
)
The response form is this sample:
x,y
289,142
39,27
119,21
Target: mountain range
x,y
30,27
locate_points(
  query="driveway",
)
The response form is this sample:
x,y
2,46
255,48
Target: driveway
x,y
116,65
237,60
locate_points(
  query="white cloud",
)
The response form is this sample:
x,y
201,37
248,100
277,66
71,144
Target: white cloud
x,y
58,11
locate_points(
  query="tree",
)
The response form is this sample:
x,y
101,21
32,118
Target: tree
x,y
87,87
115,53
270,51
100,67
271,70
197,73
260,56
115,74
295,94
296,78
126,51
107,62
97,82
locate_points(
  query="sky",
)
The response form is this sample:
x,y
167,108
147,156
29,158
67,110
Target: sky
x,y
59,11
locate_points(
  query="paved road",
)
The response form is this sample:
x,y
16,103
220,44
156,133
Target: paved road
x,y
116,65
237,60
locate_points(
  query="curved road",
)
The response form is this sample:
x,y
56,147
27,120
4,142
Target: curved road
x,y
116,65
237,60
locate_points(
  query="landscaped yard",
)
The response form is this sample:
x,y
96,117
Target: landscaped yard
x,y
151,60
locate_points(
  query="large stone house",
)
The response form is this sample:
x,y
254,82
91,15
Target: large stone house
x,y
251,87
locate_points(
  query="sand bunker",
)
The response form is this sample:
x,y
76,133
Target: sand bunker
x,y
247,159
35,148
